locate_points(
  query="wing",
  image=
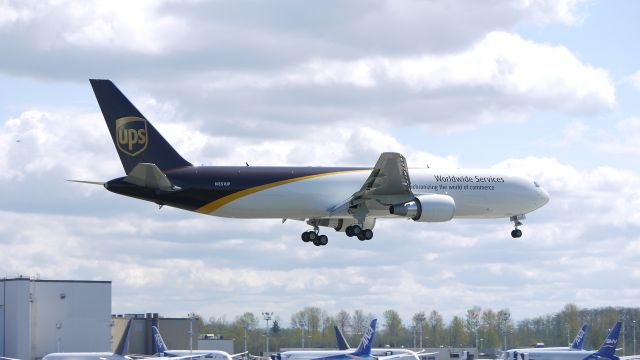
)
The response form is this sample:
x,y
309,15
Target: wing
x,y
388,184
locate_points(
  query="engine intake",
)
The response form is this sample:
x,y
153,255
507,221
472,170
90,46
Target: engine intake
x,y
426,208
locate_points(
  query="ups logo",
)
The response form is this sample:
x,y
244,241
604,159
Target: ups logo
x,y
131,135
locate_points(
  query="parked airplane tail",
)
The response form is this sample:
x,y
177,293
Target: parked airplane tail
x,y
136,140
340,340
364,349
608,348
578,342
158,343
123,345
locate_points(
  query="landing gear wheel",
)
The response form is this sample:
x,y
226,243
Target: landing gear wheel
x,y
516,233
316,242
361,237
356,230
349,231
323,240
309,236
368,234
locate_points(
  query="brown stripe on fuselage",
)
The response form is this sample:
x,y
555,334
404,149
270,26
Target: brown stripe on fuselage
x,y
216,204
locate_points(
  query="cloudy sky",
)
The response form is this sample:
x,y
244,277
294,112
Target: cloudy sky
x,y
547,88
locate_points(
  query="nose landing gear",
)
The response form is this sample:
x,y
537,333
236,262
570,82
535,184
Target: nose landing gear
x,y
516,233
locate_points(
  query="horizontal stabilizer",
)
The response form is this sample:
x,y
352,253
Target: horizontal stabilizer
x,y
88,182
149,176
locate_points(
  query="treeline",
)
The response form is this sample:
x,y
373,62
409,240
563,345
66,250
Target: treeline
x,y
486,328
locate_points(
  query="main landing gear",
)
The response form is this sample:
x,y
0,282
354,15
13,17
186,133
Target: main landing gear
x,y
516,233
358,231
315,238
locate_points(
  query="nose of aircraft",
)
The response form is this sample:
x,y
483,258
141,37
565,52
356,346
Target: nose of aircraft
x,y
543,196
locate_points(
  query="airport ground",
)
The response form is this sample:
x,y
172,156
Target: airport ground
x,y
43,316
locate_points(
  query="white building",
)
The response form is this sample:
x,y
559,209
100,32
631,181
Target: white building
x,y
38,317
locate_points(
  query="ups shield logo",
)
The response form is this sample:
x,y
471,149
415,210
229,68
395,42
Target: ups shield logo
x,y
131,135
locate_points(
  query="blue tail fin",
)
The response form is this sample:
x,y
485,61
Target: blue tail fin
x,y
158,343
340,340
123,345
364,349
578,342
136,140
608,348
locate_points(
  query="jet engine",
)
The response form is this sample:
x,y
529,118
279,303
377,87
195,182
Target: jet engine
x,y
427,208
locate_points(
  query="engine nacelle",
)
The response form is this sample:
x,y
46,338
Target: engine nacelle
x,y
427,208
341,224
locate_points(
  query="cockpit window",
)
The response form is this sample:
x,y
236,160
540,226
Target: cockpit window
x,y
536,184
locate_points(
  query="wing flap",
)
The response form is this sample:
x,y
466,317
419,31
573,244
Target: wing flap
x,y
389,181
388,184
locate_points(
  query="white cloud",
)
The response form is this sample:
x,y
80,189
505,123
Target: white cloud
x,y
624,139
501,78
107,26
39,141
10,15
300,84
634,79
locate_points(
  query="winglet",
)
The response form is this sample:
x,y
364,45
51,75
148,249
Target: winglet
x,y
157,341
123,345
364,349
578,342
340,340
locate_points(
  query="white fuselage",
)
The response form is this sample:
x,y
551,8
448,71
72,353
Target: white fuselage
x,y
308,355
477,194
204,354
514,354
555,355
380,353
85,356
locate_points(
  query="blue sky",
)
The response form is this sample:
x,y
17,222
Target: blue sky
x,y
546,88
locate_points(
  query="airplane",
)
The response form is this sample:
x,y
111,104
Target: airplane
x,y
606,351
342,343
363,350
162,350
347,199
576,345
119,354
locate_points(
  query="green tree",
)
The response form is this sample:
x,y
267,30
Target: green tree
x,y
275,328
457,334
343,321
489,329
436,329
393,326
